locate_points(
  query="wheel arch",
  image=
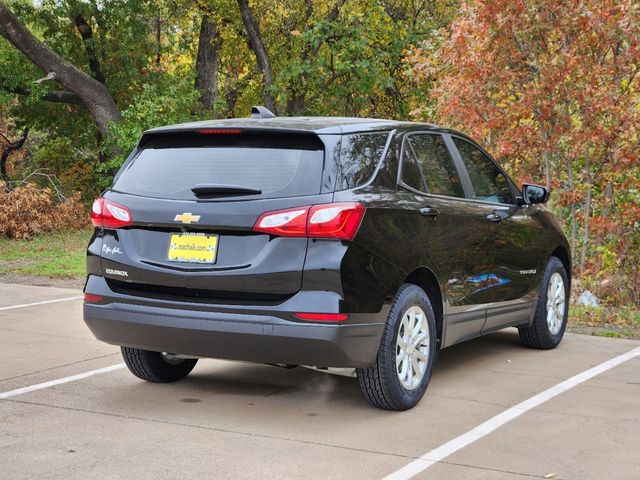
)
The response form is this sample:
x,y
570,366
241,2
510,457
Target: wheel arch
x,y
424,278
562,253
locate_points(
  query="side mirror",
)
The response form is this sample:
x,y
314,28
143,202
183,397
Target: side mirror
x,y
535,194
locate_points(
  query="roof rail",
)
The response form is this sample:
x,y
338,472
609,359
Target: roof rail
x,y
258,111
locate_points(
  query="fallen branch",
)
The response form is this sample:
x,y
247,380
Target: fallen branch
x,y
50,178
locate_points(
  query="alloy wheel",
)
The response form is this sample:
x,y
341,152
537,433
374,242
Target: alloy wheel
x,y
555,303
412,348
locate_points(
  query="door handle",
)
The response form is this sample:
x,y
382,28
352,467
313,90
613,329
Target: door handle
x,y
429,212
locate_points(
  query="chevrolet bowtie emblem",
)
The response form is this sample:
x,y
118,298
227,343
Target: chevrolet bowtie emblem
x,y
187,218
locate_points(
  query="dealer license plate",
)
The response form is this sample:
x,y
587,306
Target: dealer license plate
x,y
193,248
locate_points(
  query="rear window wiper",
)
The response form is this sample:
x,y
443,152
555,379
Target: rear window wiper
x,y
205,189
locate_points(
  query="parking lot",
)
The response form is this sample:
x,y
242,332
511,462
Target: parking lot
x,y
93,419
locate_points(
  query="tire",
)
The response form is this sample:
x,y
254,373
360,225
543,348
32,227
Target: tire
x,y
544,333
155,367
381,384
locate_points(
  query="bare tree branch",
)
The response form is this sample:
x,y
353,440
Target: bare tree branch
x,y
260,51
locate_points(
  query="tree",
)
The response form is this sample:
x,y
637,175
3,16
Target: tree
x,y
207,62
172,61
93,94
552,89
260,51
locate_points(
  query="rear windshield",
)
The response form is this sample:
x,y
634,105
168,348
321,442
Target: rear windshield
x,y
277,165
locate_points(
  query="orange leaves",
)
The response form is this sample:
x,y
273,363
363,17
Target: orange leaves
x,y
28,210
538,76
548,60
553,89
602,225
570,197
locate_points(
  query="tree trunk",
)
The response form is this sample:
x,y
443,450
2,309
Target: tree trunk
x,y
85,31
574,221
207,63
608,199
262,56
587,213
158,31
234,89
547,156
93,94
8,150
297,102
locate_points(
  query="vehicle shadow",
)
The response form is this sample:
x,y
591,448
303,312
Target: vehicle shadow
x,y
255,382
478,351
301,403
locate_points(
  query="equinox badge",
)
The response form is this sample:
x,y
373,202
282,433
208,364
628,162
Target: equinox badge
x,y
187,218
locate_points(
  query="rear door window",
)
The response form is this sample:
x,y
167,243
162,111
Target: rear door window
x,y
489,183
278,167
428,167
360,154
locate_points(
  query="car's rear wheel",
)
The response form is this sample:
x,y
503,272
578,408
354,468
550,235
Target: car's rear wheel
x,y
550,320
402,371
157,367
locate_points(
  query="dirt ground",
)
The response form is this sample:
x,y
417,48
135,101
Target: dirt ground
x,y
37,281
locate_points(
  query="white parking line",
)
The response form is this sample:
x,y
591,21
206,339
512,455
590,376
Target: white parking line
x,y
60,381
440,453
44,302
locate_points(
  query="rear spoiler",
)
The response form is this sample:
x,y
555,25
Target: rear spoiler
x,y
231,136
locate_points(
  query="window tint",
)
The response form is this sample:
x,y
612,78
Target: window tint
x,y
411,171
169,171
489,183
359,156
428,167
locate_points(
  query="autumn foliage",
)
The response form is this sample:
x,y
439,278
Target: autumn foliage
x,y
551,88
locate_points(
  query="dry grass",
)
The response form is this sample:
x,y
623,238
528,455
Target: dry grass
x,y
27,211
620,322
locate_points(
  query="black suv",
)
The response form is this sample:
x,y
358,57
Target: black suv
x,y
326,242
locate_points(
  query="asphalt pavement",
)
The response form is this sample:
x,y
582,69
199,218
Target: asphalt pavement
x,y
68,409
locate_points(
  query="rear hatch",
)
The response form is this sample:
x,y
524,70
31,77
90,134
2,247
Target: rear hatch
x,y
194,197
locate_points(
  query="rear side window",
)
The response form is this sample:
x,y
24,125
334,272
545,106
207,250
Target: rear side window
x,y
428,167
278,167
360,154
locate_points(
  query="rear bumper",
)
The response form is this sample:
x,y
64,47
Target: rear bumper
x,y
264,334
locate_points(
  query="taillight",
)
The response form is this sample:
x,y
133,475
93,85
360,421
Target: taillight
x,y
335,220
285,223
88,297
331,220
108,214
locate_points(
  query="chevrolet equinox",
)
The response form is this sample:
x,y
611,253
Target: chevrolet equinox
x,y
327,242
